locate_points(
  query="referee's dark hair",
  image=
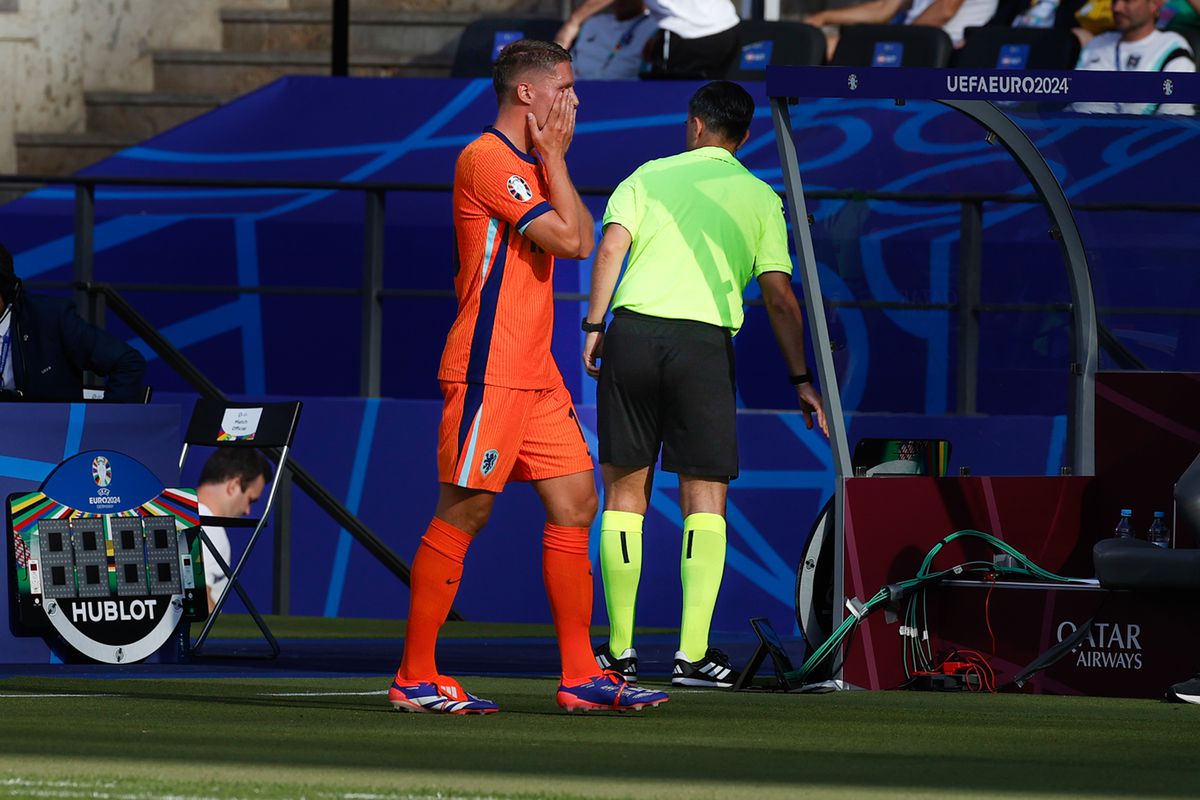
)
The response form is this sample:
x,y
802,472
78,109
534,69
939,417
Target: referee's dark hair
x,y
521,56
725,108
243,463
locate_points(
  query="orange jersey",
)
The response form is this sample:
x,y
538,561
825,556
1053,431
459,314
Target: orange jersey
x,y
504,285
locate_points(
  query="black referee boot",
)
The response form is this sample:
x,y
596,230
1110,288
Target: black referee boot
x,y
626,665
713,671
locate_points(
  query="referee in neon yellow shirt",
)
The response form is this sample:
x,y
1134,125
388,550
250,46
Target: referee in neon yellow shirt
x,y
697,227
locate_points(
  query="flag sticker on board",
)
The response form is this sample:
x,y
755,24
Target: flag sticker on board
x,y
239,424
1013,56
887,54
756,56
503,39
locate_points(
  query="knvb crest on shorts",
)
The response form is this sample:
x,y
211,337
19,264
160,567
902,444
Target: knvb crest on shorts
x,y
101,471
489,462
519,189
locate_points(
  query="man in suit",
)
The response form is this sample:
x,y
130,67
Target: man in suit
x,y
45,347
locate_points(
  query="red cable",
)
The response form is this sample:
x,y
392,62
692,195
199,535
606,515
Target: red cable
x,y
987,611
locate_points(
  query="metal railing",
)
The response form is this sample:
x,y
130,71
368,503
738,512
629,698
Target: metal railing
x,y
295,473
967,306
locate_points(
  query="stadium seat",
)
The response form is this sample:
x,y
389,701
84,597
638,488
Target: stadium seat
x,y
771,42
266,425
892,46
483,39
995,47
1191,34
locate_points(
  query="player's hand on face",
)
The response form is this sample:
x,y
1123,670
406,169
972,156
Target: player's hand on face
x,y
593,351
553,138
810,403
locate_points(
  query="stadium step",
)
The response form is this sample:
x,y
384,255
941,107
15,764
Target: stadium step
x,y
204,71
145,114
475,7
64,153
392,32
389,38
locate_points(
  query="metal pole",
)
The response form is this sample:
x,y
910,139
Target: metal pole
x,y
282,572
970,283
814,301
85,223
1081,432
814,307
372,311
339,46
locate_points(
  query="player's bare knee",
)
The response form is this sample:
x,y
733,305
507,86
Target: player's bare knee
x,y
587,510
576,511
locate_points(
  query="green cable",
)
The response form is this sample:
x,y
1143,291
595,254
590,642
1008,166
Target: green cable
x,y
922,652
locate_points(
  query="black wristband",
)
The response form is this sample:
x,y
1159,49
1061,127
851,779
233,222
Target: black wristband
x,y
797,380
591,327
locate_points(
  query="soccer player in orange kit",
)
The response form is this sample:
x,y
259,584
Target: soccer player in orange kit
x,y
507,414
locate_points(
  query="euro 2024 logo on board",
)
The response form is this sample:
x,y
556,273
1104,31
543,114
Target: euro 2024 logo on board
x,y
101,471
519,189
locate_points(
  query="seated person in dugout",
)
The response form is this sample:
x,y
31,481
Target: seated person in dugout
x,y
45,347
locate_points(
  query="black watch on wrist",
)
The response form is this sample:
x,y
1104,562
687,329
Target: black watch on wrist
x,y
797,380
591,327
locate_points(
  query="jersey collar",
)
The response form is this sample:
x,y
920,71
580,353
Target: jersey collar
x,y
511,146
716,153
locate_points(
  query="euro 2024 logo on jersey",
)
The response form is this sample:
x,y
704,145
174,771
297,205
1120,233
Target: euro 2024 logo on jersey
x,y
101,471
519,189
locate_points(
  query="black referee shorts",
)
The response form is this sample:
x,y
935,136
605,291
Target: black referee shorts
x,y
668,383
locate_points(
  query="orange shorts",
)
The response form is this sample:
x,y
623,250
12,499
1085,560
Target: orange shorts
x,y
491,435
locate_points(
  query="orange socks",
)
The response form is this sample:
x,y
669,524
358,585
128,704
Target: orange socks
x,y
568,575
436,571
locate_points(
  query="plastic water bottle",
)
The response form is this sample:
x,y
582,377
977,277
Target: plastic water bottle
x,y
1125,526
1159,533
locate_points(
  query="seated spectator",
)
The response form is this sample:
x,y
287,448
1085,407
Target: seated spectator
x,y
609,45
231,481
1037,14
695,39
952,16
1136,45
45,347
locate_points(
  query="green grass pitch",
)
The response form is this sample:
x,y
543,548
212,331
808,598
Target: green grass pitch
x,y
188,739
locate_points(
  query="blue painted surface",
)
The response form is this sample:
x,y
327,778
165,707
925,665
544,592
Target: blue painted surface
x,y
391,475
896,366
891,360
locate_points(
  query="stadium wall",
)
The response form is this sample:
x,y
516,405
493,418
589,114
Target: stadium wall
x,y
897,365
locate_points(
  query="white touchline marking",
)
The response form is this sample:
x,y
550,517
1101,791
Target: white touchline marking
x,y
20,696
21,787
321,694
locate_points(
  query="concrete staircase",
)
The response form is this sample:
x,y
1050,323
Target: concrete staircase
x,y
391,38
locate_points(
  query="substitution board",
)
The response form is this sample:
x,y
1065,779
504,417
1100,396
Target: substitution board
x,y
105,559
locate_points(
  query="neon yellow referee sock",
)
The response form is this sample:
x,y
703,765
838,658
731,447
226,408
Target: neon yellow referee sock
x,y
621,566
701,566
